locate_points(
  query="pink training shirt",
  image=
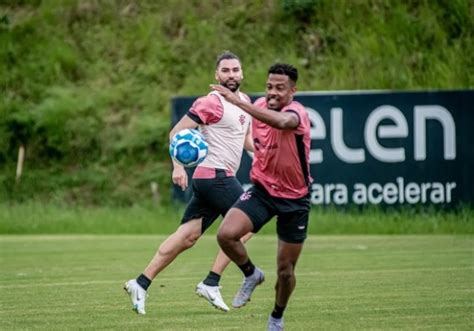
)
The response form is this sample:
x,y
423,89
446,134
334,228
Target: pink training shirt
x,y
281,159
224,127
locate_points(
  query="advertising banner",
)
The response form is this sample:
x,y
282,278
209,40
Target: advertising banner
x,y
383,147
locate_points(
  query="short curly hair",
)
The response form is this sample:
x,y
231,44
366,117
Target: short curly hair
x,y
284,69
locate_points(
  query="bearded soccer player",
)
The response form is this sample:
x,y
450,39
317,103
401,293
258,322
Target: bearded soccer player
x,y
280,173
226,129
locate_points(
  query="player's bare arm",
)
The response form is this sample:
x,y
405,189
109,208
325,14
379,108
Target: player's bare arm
x,y
179,175
184,123
279,120
248,143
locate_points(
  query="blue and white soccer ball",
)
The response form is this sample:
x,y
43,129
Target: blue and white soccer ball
x,y
188,147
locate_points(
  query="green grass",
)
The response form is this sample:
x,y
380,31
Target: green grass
x,y
344,283
34,217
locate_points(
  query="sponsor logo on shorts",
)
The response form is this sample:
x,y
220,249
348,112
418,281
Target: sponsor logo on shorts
x,y
245,196
301,227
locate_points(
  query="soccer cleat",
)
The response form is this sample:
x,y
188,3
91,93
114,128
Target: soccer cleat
x,y
212,294
248,286
275,324
137,296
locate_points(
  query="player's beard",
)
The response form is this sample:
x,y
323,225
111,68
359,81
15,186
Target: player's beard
x,y
233,87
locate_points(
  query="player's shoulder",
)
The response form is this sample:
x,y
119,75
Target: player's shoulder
x,y
211,98
244,96
260,102
300,111
295,105
210,101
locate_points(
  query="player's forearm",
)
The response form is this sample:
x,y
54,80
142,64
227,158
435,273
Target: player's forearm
x,y
172,133
176,164
248,144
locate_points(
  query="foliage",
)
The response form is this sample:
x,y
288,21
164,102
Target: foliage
x,y
86,85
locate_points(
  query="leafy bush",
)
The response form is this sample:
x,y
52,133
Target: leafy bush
x,y
86,85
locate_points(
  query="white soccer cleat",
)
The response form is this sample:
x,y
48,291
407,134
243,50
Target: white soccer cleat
x,y
212,294
137,295
247,288
275,324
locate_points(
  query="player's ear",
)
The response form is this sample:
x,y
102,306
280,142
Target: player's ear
x,y
216,76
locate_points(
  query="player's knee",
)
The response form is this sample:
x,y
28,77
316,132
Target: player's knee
x,y
285,273
224,237
190,240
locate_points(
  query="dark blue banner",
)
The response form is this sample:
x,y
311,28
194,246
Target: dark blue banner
x,y
389,148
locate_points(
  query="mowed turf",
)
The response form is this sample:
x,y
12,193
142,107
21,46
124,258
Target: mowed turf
x,y
343,283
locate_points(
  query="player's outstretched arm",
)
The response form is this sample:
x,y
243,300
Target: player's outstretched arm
x,y
279,120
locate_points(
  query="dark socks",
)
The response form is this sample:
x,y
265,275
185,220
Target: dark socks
x,y
143,281
278,311
212,279
247,268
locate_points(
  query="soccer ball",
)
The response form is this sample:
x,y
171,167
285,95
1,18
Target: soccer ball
x,y
188,147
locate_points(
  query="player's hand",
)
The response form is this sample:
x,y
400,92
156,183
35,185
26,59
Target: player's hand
x,y
226,93
180,177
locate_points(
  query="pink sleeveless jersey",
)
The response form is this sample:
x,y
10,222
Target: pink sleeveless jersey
x,y
224,126
281,157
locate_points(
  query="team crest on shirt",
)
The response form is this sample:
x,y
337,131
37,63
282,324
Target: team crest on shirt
x,y
242,119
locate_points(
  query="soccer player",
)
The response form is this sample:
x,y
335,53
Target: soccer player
x,y
227,130
280,173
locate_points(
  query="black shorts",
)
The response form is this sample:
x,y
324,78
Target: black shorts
x,y
292,214
211,198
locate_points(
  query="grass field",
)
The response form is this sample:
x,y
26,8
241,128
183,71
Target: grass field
x,y
36,217
55,282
